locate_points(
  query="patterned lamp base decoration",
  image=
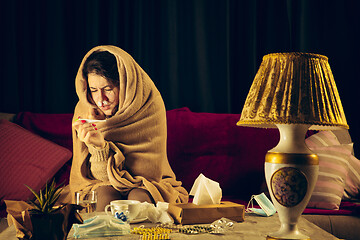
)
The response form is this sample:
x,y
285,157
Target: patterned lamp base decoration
x,y
289,186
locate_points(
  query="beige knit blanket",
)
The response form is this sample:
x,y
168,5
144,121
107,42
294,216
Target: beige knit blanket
x,y
136,135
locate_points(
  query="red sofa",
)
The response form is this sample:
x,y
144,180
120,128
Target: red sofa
x,y
205,143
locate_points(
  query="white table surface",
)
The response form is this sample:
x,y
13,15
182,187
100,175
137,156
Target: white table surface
x,y
253,228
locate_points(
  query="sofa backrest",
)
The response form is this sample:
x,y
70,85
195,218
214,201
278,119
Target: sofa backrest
x,y
207,143
214,145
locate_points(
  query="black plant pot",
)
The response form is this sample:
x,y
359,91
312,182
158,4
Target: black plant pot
x,y
55,225
47,226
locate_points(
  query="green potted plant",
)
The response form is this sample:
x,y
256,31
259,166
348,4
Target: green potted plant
x,y
48,221
45,200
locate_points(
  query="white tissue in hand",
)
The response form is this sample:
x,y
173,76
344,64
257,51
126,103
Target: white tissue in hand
x,y
206,191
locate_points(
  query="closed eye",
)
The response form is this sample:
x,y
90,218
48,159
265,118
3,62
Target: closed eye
x,y
107,88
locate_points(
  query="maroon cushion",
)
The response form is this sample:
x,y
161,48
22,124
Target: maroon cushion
x,y
54,127
346,208
214,145
28,159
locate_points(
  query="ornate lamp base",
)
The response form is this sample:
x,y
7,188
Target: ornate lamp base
x,y
290,176
290,187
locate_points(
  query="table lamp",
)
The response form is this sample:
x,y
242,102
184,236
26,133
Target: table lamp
x,y
293,92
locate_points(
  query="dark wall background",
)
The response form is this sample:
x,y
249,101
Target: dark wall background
x,y
202,54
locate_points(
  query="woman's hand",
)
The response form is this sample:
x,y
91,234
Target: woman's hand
x,y
89,134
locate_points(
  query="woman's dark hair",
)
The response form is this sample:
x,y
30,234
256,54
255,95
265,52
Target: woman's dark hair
x,y
104,64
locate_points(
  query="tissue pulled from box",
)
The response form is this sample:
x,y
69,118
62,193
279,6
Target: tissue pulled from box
x,y
206,191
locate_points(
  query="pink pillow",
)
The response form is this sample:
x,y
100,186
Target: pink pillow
x,y
26,158
352,183
333,170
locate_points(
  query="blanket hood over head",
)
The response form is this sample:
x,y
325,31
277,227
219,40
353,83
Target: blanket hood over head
x,y
136,134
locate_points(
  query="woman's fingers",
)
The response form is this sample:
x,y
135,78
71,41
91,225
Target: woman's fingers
x,y
76,124
83,128
91,137
88,133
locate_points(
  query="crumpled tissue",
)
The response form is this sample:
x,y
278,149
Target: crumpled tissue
x,y
101,226
156,214
206,191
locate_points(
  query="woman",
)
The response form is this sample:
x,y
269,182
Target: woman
x,y
123,157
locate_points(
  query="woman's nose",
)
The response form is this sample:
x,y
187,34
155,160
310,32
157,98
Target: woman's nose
x,y
103,96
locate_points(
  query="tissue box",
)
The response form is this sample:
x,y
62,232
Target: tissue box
x,y
189,213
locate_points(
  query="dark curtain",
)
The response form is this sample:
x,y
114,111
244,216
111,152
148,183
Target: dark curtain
x,y
202,54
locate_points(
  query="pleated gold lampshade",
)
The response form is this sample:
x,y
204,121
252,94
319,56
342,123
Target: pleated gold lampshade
x,y
294,88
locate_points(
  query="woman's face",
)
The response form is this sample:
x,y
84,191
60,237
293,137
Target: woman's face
x,y
104,93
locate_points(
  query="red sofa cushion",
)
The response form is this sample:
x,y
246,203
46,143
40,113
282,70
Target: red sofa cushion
x,y
214,145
